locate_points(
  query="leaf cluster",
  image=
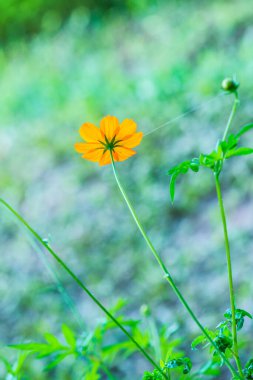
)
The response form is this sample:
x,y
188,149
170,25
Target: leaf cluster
x,y
52,347
99,355
248,370
184,364
224,150
222,337
240,315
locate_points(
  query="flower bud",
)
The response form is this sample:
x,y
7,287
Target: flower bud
x,y
229,85
145,310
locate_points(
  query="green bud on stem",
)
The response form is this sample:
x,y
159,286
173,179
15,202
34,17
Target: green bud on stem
x,y
229,85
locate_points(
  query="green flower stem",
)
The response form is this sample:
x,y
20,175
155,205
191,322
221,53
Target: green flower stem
x,y
167,274
80,283
232,114
230,275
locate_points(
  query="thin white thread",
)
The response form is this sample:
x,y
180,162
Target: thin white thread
x,y
182,115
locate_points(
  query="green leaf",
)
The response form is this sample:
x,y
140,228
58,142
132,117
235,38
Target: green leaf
x,y
232,141
69,336
223,342
47,352
211,368
229,144
7,364
57,360
93,374
41,349
125,322
240,314
28,346
181,362
116,347
244,129
197,341
172,187
181,169
20,362
121,302
52,340
248,370
239,152
207,160
155,375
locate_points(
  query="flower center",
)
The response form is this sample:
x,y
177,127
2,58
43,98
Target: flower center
x,y
109,145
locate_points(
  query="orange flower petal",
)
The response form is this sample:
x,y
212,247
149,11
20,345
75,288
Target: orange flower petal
x,y
80,147
127,128
105,158
84,147
122,154
132,141
89,132
109,127
93,155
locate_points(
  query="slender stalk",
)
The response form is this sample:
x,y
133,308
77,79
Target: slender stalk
x,y
167,274
230,274
55,277
80,283
231,116
154,336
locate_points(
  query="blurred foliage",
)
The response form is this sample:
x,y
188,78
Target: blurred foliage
x,y
164,60
102,351
24,18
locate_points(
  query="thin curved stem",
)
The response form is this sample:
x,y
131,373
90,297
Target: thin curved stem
x,y
167,274
55,277
231,116
80,283
230,275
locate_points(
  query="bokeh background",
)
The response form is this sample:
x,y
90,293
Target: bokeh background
x,y
63,63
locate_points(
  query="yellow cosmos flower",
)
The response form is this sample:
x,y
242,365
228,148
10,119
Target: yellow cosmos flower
x,y
112,136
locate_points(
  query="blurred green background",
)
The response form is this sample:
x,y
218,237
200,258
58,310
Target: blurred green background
x,y
63,63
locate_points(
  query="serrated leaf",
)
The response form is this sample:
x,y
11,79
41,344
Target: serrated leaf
x,y
69,336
